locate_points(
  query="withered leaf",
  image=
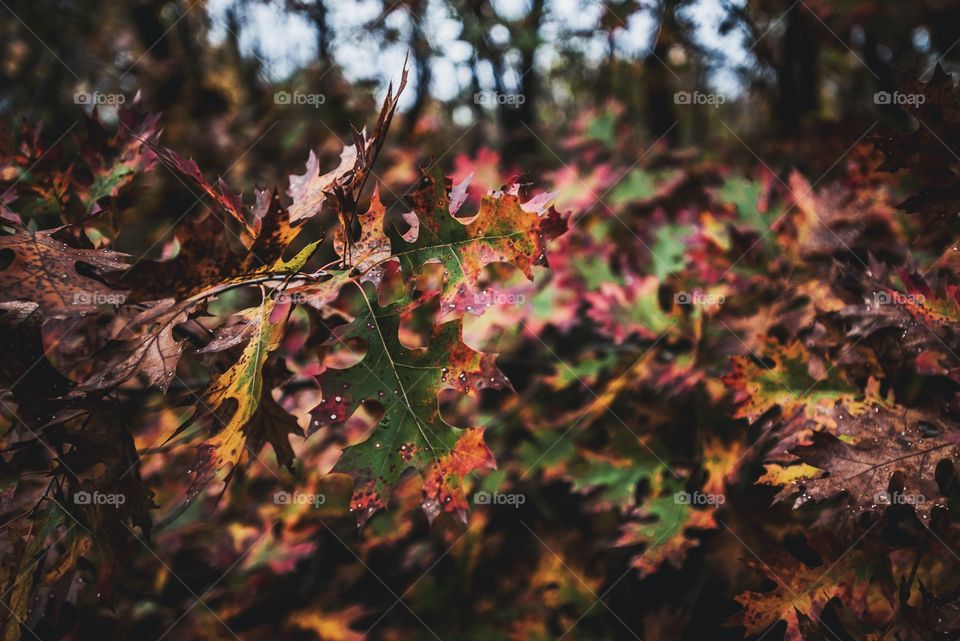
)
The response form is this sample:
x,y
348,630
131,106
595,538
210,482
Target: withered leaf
x,y
62,279
889,456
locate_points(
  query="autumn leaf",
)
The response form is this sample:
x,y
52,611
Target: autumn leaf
x,y
372,247
503,230
749,201
622,310
145,344
271,423
20,571
640,186
837,220
786,382
485,170
889,456
924,320
721,462
36,181
310,190
338,625
226,200
62,279
661,525
786,475
234,406
857,579
411,433
115,160
612,482
787,314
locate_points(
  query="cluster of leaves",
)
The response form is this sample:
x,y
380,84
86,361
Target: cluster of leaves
x,y
85,325
728,382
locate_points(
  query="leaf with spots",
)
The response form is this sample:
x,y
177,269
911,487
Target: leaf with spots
x,y
147,347
889,456
237,404
47,267
411,433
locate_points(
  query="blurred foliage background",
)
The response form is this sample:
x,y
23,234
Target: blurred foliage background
x,y
789,71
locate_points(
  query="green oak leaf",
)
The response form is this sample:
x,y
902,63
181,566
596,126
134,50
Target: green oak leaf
x,y
411,432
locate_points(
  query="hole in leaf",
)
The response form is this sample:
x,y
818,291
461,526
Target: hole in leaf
x,y
897,482
430,279
456,408
222,415
797,545
364,423
86,269
345,354
944,474
416,327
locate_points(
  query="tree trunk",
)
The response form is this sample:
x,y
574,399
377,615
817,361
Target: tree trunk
x,y
799,79
420,48
518,120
